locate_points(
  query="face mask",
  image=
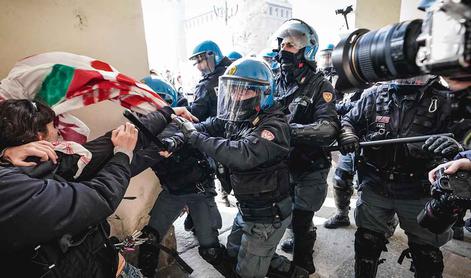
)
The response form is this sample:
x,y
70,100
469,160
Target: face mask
x,y
290,65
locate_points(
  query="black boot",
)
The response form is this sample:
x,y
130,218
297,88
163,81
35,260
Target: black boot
x,y
220,260
304,238
427,260
148,258
343,191
368,248
294,272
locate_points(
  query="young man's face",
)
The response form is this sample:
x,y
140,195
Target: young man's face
x,y
52,134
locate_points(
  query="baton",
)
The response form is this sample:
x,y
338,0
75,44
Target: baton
x,y
413,139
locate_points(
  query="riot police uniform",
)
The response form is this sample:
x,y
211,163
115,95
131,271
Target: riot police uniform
x,y
392,178
250,137
187,180
308,100
205,103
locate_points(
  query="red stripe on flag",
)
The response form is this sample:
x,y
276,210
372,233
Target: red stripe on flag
x,y
100,65
126,79
83,80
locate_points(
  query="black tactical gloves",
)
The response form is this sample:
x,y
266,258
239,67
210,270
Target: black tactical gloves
x,y
443,146
348,141
185,126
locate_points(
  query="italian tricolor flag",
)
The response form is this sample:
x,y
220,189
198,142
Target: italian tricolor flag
x,y
67,81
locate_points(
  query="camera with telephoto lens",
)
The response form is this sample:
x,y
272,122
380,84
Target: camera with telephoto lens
x,y
451,195
439,45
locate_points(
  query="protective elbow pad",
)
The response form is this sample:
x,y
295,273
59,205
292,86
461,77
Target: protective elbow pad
x,y
321,133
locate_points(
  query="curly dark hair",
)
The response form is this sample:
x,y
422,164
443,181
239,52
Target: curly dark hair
x,y
21,120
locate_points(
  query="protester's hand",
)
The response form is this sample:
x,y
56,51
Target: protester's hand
x,y
184,113
443,146
348,141
125,137
451,167
42,149
186,127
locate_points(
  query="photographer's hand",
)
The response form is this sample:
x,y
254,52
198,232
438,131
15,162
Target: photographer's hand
x,y
451,167
42,149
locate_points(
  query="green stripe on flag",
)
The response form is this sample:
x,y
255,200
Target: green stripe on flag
x,y
56,84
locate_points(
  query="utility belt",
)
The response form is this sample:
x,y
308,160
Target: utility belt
x,y
273,214
394,184
395,176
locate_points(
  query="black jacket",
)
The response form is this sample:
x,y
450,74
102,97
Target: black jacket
x,y
205,103
41,208
383,113
310,108
186,171
255,153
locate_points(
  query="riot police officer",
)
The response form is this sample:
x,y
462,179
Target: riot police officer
x,y
250,136
392,178
208,59
308,101
187,180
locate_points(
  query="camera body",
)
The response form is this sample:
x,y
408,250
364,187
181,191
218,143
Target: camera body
x,y
451,195
438,45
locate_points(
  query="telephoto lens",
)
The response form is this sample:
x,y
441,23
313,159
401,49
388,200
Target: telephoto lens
x,y
365,57
437,216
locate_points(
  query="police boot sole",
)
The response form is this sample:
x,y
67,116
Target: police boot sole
x,y
336,224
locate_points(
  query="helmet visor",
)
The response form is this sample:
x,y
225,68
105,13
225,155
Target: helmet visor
x,y
293,33
238,99
204,62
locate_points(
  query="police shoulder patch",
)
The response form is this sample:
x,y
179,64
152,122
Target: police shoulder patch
x,y
268,135
327,96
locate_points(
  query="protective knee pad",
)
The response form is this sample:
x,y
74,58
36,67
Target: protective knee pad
x,y
148,258
427,260
368,247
